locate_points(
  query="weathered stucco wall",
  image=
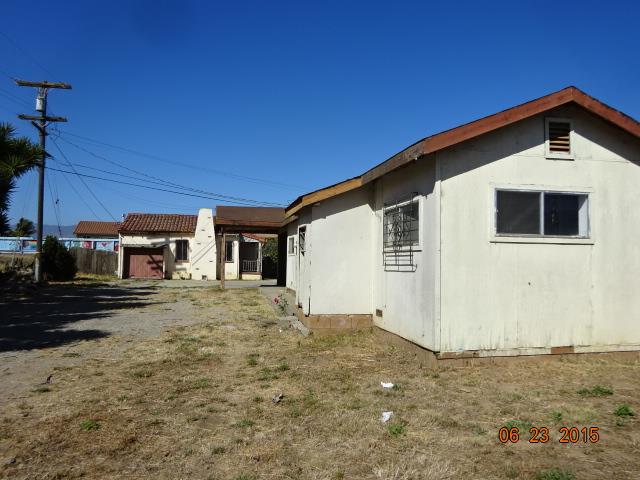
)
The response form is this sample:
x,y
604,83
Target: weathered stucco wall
x,y
406,298
292,258
527,297
203,255
168,242
340,268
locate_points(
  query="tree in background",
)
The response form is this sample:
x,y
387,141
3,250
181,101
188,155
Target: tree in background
x,y
57,262
24,228
17,157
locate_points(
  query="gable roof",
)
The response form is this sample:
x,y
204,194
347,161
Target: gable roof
x,y
159,223
97,229
471,130
249,216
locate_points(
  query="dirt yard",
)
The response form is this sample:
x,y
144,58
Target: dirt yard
x,y
189,396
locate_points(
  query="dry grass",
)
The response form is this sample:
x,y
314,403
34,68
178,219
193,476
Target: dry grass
x,y
196,403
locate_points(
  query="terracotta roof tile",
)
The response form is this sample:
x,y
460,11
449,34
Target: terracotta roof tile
x,y
159,223
97,229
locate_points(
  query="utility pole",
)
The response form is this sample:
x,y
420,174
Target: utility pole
x,y
41,123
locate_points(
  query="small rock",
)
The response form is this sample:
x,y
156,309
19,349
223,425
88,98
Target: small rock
x,y
277,398
11,461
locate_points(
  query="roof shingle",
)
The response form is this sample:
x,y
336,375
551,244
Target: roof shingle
x,y
97,229
159,223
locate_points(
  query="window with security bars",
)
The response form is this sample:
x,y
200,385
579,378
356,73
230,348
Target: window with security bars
x,y
401,234
559,138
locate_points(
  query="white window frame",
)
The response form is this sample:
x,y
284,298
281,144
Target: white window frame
x,y
418,246
558,155
496,237
291,241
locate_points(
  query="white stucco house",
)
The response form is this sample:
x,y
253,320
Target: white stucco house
x,y
176,246
510,235
168,246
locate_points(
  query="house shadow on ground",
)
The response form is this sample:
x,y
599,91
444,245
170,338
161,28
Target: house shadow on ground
x,y
44,317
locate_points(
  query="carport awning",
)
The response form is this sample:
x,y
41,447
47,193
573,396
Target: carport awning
x,y
144,245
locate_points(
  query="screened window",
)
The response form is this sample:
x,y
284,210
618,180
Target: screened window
x,y
291,246
401,225
182,250
555,214
228,251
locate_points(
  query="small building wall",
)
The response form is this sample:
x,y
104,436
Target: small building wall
x,y
203,253
519,296
292,258
406,297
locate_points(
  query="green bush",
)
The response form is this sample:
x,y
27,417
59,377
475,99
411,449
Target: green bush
x,y
57,262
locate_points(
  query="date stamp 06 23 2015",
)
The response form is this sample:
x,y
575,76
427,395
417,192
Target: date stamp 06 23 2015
x,y
568,435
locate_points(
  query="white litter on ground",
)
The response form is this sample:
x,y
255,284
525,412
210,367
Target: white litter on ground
x,y
386,384
384,418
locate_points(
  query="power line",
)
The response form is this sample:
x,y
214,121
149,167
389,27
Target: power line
x,y
144,186
7,94
26,54
97,217
160,181
54,203
83,182
183,164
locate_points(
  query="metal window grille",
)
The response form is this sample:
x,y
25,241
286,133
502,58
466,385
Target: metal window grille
x,y
401,234
302,240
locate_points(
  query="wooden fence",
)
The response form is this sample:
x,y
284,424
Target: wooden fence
x,y
95,261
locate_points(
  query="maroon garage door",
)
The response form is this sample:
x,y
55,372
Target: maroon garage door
x,y
143,262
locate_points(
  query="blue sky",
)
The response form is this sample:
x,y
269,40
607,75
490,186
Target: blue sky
x,y
268,100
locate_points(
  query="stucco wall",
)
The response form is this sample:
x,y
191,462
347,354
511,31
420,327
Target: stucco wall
x,y
203,253
407,297
168,242
292,258
340,273
503,296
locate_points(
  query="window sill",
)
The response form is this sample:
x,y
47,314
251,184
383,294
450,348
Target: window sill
x,y
542,240
557,156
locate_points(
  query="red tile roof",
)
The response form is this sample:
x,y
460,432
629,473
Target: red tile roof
x,y
88,228
159,223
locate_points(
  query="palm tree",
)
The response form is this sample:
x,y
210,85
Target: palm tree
x,y
24,228
17,157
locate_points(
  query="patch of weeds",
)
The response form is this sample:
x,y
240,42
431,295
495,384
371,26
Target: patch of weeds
x,y
220,343
516,397
252,359
521,425
219,450
356,404
283,367
624,410
447,421
201,383
244,423
554,474
243,477
556,416
155,422
620,422
71,355
338,475
478,429
267,374
142,373
62,369
190,339
88,425
597,391
41,390
511,472
396,429
433,374
258,399
395,387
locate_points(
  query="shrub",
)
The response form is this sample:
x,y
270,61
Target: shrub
x,y
57,262
624,410
555,474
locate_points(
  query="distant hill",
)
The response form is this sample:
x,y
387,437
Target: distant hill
x,y
67,230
